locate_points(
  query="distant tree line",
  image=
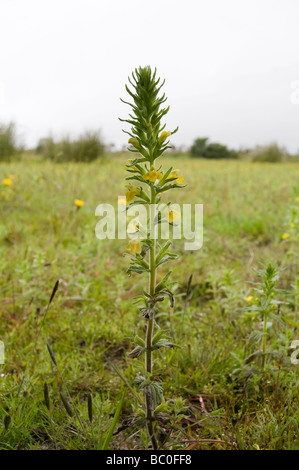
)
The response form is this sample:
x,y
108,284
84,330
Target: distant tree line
x,y
272,153
90,146
85,148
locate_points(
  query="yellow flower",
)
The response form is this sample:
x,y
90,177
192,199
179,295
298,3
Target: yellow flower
x,y
133,142
79,203
297,199
173,216
249,298
164,136
7,181
131,193
153,175
134,246
285,236
174,174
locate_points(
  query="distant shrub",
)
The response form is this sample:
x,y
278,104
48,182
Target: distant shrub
x,y
86,148
217,151
270,153
47,147
9,147
201,148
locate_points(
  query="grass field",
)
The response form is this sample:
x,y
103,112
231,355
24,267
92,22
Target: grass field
x,y
217,395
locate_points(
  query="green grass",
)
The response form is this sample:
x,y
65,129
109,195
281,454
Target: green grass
x,y
215,395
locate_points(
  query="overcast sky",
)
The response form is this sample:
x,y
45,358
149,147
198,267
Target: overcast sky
x,y
229,66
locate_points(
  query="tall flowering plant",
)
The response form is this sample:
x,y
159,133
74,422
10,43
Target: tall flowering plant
x,y
147,183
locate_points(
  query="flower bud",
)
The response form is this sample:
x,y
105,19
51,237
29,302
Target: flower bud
x,y
164,136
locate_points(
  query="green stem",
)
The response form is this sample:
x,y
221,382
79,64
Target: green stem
x,y
264,341
150,325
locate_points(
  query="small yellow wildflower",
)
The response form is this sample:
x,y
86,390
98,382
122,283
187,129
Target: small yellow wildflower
x,y
79,203
164,136
173,216
249,298
131,193
153,175
7,182
297,199
174,174
134,246
285,236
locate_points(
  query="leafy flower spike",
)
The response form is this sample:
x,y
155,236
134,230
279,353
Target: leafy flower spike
x,y
148,140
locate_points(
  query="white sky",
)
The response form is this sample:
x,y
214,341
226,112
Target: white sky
x,y
229,66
